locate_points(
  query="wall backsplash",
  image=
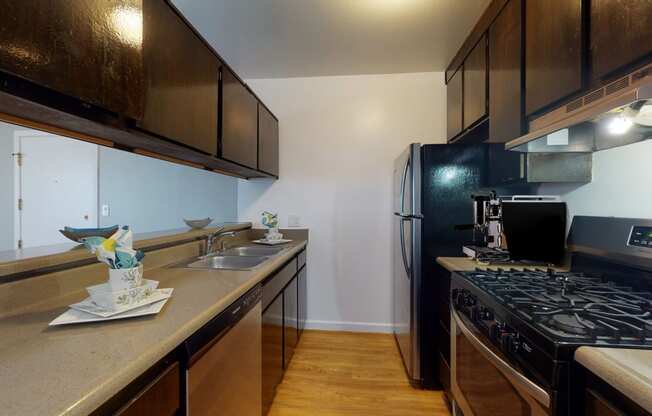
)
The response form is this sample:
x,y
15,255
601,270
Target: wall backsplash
x,y
621,186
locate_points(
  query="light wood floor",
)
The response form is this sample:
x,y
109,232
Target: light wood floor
x,y
342,373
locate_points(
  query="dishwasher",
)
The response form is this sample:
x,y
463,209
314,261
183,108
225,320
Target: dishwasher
x,y
223,361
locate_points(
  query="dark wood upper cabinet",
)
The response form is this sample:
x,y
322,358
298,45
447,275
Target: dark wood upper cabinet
x,y
621,33
475,84
182,80
239,122
505,75
553,51
87,49
268,144
454,90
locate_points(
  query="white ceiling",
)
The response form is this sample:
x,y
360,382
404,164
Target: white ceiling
x,y
302,38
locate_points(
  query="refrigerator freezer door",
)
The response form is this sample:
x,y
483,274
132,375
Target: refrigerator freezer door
x,y
406,255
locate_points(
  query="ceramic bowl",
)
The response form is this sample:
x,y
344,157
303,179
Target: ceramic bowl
x,y
198,224
76,234
104,296
120,279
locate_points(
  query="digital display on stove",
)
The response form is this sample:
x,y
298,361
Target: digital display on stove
x,y
641,237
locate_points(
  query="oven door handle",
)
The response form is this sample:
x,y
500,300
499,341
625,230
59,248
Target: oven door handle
x,y
512,374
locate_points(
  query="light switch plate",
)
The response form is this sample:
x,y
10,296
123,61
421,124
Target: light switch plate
x,y
106,211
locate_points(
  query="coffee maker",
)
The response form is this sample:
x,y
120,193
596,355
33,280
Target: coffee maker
x,y
487,220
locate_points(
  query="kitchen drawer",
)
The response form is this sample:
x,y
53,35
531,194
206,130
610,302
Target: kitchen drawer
x,y
275,284
302,259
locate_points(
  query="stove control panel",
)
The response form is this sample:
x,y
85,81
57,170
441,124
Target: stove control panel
x,y
641,237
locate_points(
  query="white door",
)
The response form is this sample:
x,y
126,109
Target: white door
x,y
57,183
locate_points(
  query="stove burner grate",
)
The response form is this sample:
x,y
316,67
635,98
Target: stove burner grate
x,y
571,306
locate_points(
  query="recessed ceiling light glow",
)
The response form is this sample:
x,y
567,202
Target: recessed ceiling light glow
x,y
619,125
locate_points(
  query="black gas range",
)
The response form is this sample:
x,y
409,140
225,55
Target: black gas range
x,y
520,329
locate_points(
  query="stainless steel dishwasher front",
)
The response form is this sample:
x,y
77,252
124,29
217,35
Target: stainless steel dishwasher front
x,y
225,363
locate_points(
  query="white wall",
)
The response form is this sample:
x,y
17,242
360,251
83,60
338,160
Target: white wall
x,y
7,201
339,137
621,186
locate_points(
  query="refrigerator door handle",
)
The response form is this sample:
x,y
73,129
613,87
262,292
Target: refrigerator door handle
x,y
408,217
403,180
402,237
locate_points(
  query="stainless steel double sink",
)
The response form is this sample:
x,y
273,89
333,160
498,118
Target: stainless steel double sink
x,y
235,258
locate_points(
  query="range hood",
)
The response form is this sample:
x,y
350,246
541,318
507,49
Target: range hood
x,y
617,114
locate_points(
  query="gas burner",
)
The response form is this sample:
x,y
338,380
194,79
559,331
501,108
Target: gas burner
x,y
571,306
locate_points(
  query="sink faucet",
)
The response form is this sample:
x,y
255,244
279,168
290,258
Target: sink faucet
x,y
210,240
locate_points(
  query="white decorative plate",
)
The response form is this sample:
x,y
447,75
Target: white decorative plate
x,y
87,305
72,316
272,242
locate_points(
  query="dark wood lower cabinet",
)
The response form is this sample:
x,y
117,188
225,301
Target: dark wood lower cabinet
x,y
160,398
272,351
592,396
290,320
302,283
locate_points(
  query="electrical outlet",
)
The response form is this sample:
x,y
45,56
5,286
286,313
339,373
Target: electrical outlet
x,y
106,211
294,221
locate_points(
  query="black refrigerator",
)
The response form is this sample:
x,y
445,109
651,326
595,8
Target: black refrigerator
x,y
433,185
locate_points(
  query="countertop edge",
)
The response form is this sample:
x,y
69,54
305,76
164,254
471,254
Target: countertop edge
x,y
129,373
617,373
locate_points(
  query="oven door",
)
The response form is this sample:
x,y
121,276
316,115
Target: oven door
x,y
484,383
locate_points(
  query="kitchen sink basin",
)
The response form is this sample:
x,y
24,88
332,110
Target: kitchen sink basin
x,y
252,251
226,262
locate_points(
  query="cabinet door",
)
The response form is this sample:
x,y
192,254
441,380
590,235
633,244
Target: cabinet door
x,y
505,73
239,122
182,80
290,320
596,405
302,283
272,351
621,33
454,105
159,398
475,84
87,49
553,58
267,141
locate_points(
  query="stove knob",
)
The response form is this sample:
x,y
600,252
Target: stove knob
x,y
506,340
487,315
470,300
495,331
476,313
460,299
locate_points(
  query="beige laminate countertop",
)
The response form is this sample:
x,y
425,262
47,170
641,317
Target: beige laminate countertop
x,y
627,370
71,370
467,264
